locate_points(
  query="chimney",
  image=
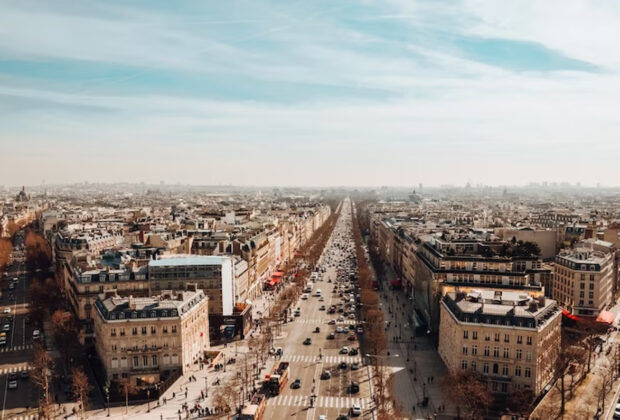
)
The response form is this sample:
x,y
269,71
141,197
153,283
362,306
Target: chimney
x,y
180,296
541,301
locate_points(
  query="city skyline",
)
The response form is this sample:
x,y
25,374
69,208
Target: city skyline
x,y
267,93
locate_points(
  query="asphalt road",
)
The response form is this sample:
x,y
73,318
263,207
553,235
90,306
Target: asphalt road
x,y
17,354
306,364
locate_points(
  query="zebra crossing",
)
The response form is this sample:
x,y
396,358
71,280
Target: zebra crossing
x,y
15,348
26,417
323,402
324,321
14,369
303,358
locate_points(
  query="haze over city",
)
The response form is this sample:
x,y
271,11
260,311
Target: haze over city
x,y
310,93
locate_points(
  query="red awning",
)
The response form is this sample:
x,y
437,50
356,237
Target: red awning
x,y
569,315
270,283
275,280
606,317
278,274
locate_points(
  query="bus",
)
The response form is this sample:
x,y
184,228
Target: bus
x,y
254,410
276,381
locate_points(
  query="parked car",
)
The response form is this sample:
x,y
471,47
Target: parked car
x,y
296,384
326,375
308,341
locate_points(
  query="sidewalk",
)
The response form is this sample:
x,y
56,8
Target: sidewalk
x,y
424,369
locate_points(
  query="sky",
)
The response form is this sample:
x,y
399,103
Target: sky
x,y
288,92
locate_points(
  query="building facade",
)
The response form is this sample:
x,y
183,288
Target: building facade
x,y
511,338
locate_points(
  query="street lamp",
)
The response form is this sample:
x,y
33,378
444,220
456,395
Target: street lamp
x,y
206,387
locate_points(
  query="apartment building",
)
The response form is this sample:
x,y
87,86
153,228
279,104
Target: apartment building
x,y
148,339
511,338
583,280
213,274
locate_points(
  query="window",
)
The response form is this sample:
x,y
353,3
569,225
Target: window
x,y
494,386
473,365
143,330
519,354
134,331
474,350
590,295
504,370
153,330
166,359
464,364
135,361
114,363
519,339
528,356
113,332
474,335
114,347
164,330
529,340
465,350
122,332
506,338
504,387
518,371
581,294
495,351
145,360
528,372
496,337
123,362
495,368
506,353
174,329
487,351
485,368
465,334
154,360
487,337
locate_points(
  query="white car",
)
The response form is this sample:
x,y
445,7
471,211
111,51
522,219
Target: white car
x,y
7,310
356,410
322,417
36,334
13,384
304,296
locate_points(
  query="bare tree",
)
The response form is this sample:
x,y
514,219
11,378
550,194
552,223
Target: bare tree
x,y
468,389
6,251
81,388
43,366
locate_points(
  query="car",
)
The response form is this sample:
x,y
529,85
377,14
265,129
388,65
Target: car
x,y
322,308
297,313
3,342
351,327
331,322
304,296
340,319
360,330
356,410
355,366
322,417
307,341
331,336
351,316
7,310
6,328
296,384
13,384
339,330
24,375
342,417
317,330
321,299
326,375
342,365
36,334
353,352
354,388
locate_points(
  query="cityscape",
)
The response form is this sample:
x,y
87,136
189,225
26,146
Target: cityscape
x,y
268,210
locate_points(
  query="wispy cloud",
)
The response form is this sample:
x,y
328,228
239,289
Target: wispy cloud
x,y
417,91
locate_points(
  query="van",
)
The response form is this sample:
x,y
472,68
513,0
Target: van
x,y
318,292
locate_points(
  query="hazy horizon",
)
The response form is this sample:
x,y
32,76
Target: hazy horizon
x,y
269,93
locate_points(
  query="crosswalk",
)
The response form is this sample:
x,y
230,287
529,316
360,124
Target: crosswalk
x,y
14,369
324,321
15,348
26,417
303,358
323,402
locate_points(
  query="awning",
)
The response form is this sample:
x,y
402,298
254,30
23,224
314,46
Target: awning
x,y
275,280
606,317
569,315
270,283
278,274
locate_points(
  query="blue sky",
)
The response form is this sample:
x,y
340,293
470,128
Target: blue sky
x,y
389,92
